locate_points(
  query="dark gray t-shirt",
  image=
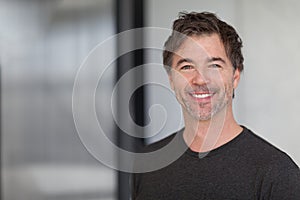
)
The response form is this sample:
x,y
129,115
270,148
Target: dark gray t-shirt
x,y
247,167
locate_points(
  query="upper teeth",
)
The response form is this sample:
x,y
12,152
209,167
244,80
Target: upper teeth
x,y
202,95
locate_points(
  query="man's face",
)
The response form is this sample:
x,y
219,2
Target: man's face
x,y
203,77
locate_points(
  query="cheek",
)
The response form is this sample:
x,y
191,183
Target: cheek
x,y
216,77
225,84
178,81
229,80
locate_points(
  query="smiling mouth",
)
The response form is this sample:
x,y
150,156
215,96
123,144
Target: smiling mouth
x,y
201,96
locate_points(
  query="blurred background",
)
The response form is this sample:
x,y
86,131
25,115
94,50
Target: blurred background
x,y
43,43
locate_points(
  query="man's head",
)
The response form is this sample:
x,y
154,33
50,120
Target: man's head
x,y
205,23
205,56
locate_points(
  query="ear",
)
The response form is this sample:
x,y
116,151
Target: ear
x,y
236,78
170,75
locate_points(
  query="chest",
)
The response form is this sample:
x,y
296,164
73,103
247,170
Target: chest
x,y
190,178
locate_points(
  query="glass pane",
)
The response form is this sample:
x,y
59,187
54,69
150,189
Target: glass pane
x,y
42,45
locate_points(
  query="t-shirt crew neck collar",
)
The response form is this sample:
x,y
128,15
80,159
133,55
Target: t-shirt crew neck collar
x,y
216,151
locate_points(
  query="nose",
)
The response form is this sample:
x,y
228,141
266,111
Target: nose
x,y
199,78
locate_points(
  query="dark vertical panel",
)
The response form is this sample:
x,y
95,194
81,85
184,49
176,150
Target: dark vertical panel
x,y
130,15
139,60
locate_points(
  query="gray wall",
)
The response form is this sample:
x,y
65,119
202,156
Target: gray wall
x,y
267,98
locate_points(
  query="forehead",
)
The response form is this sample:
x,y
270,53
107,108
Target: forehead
x,y
201,47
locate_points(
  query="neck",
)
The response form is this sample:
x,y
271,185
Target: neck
x,y
204,136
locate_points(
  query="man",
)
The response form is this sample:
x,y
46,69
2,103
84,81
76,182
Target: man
x,y
223,160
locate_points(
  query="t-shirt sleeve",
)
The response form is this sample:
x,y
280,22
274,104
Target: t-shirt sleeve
x,y
283,183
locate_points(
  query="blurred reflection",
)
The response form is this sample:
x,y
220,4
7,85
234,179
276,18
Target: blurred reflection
x,y
42,45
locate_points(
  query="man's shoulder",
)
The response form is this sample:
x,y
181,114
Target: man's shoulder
x,y
278,174
263,151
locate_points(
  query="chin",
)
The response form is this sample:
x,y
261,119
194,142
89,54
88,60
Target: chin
x,y
201,117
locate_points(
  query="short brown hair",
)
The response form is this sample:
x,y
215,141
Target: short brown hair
x,y
193,23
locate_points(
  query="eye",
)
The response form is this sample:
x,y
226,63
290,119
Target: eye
x,y
215,66
186,67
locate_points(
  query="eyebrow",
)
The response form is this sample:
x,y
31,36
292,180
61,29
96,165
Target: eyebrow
x,y
212,59
183,60
208,60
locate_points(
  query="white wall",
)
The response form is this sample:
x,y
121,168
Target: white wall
x,y
267,98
